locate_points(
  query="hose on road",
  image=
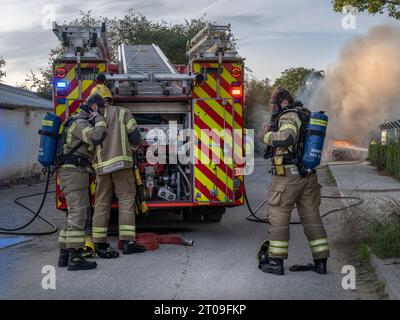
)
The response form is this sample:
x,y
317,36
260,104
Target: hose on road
x,y
254,218
253,213
15,231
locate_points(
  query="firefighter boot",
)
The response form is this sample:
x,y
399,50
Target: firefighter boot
x,y
78,262
320,266
274,266
104,251
130,247
63,258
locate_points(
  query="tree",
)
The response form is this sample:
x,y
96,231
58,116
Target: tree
x,y
257,113
293,79
41,83
133,28
392,7
2,64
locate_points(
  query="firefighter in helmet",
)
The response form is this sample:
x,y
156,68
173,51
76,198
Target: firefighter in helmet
x,y
114,175
81,134
289,188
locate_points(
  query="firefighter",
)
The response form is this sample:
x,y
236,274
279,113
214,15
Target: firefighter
x,y
289,188
81,134
114,175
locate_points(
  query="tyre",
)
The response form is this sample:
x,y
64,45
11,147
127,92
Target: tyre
x,y
214,215
192,216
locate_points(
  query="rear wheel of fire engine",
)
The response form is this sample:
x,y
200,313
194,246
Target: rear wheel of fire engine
x,y
214,215
192,216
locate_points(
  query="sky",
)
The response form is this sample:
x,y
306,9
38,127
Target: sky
x,y
272,35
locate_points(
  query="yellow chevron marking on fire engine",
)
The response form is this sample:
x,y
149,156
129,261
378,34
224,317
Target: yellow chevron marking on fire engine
x,y
215,105
217,149
71,75
210,185
202,199
228,76
75,93
205,159
217,135
213,84
220,173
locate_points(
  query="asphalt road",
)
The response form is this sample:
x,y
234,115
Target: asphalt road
x,y
222,265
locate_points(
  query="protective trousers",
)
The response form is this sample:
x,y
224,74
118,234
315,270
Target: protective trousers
x,y
121,182
75,186
284,193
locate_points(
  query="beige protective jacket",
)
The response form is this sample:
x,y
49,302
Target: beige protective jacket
x,y
82,130
287,134
116,152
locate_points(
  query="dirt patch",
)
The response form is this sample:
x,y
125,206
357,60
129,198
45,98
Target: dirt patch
x,y
28,181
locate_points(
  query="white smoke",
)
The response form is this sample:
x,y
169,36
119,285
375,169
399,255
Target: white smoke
x,y
363,89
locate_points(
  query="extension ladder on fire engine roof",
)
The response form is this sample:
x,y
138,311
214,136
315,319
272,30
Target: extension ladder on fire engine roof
x,y
144,59
209,40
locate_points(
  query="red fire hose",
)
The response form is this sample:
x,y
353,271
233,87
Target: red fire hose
x,y
152,241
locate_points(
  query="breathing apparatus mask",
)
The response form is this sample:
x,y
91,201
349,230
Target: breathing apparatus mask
x,y
99,101
281,100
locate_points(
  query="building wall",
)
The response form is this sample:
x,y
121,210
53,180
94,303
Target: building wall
x,y
19,142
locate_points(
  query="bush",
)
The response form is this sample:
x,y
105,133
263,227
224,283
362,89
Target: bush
x,y
384,238
386,157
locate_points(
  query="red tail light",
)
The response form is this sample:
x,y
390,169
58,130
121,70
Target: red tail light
x,y
236,92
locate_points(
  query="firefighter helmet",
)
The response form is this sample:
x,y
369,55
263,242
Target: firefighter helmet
x,y
102,90
101,78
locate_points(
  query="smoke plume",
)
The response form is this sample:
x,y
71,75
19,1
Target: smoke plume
x,y
363,89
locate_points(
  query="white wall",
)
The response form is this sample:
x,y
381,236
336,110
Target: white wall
x,y
19,142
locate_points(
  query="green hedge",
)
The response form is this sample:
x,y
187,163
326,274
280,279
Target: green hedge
x,y
386,157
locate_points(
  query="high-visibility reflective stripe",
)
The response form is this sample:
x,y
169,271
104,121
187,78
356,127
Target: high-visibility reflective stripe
x,y
100,229
319,249
69,133
85,133
47,123
68,166
62,237
75,233
111,161
76,240
267,136
98,156
99,235
127,233
101,124
288,126
127,227
318,122
318,242
123,133
278,250
132,123
279,244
